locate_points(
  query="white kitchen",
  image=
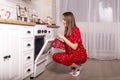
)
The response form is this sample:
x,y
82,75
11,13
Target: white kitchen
x,y
27,33
28,28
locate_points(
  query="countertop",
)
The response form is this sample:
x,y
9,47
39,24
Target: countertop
x,y
53,26
16,22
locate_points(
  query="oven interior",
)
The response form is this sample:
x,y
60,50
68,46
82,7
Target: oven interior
x,y
39,42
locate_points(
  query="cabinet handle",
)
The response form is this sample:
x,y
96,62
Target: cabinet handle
x,y
28,44
5,57
28,70
28,32
9,56
28,57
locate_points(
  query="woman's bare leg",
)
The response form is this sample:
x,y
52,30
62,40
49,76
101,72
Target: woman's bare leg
x,y
75,65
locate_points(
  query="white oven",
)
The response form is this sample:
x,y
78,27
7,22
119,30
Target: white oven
x,y
42,48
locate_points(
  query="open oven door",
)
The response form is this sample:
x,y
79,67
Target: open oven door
x,y
41,59
44,50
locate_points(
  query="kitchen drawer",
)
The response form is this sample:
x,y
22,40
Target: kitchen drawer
x,y
28,57
28,44
28,70
27,32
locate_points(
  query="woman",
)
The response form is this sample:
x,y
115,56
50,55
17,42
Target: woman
x,y
75,53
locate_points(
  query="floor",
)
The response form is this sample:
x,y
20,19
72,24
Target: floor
x,y
93,70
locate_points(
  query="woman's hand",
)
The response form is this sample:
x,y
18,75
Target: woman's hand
x,y
69,43
59,36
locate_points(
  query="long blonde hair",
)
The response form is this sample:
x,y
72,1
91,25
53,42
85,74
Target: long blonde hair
x,y
70,22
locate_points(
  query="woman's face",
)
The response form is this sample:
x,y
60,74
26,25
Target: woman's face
x,y
64,21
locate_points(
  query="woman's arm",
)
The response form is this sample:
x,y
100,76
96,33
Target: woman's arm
x,y
69,43
58,44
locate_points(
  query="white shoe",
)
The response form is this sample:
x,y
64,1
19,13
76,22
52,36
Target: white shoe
x,y
72,72
77,71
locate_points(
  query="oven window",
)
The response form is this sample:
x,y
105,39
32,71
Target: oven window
x,y
39,42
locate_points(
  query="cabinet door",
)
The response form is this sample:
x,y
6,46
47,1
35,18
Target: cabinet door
x,y
14,56
9,54
3,53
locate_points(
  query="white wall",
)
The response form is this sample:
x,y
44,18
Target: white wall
x,y
10,5
46,8
43,7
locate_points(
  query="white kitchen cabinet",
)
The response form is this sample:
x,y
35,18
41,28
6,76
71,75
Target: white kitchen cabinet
x,y
16,51
27,50
9,52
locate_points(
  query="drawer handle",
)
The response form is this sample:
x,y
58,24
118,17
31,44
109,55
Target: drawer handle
x,y
9,56
28,57
28,32
28,44
28,70
6,57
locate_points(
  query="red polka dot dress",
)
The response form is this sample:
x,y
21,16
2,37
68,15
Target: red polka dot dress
x,y
71,56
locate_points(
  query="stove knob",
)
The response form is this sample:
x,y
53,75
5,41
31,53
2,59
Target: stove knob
x,y
42,31
48,31
39,31
45,31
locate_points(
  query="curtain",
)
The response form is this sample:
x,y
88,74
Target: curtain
x,y
98,21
